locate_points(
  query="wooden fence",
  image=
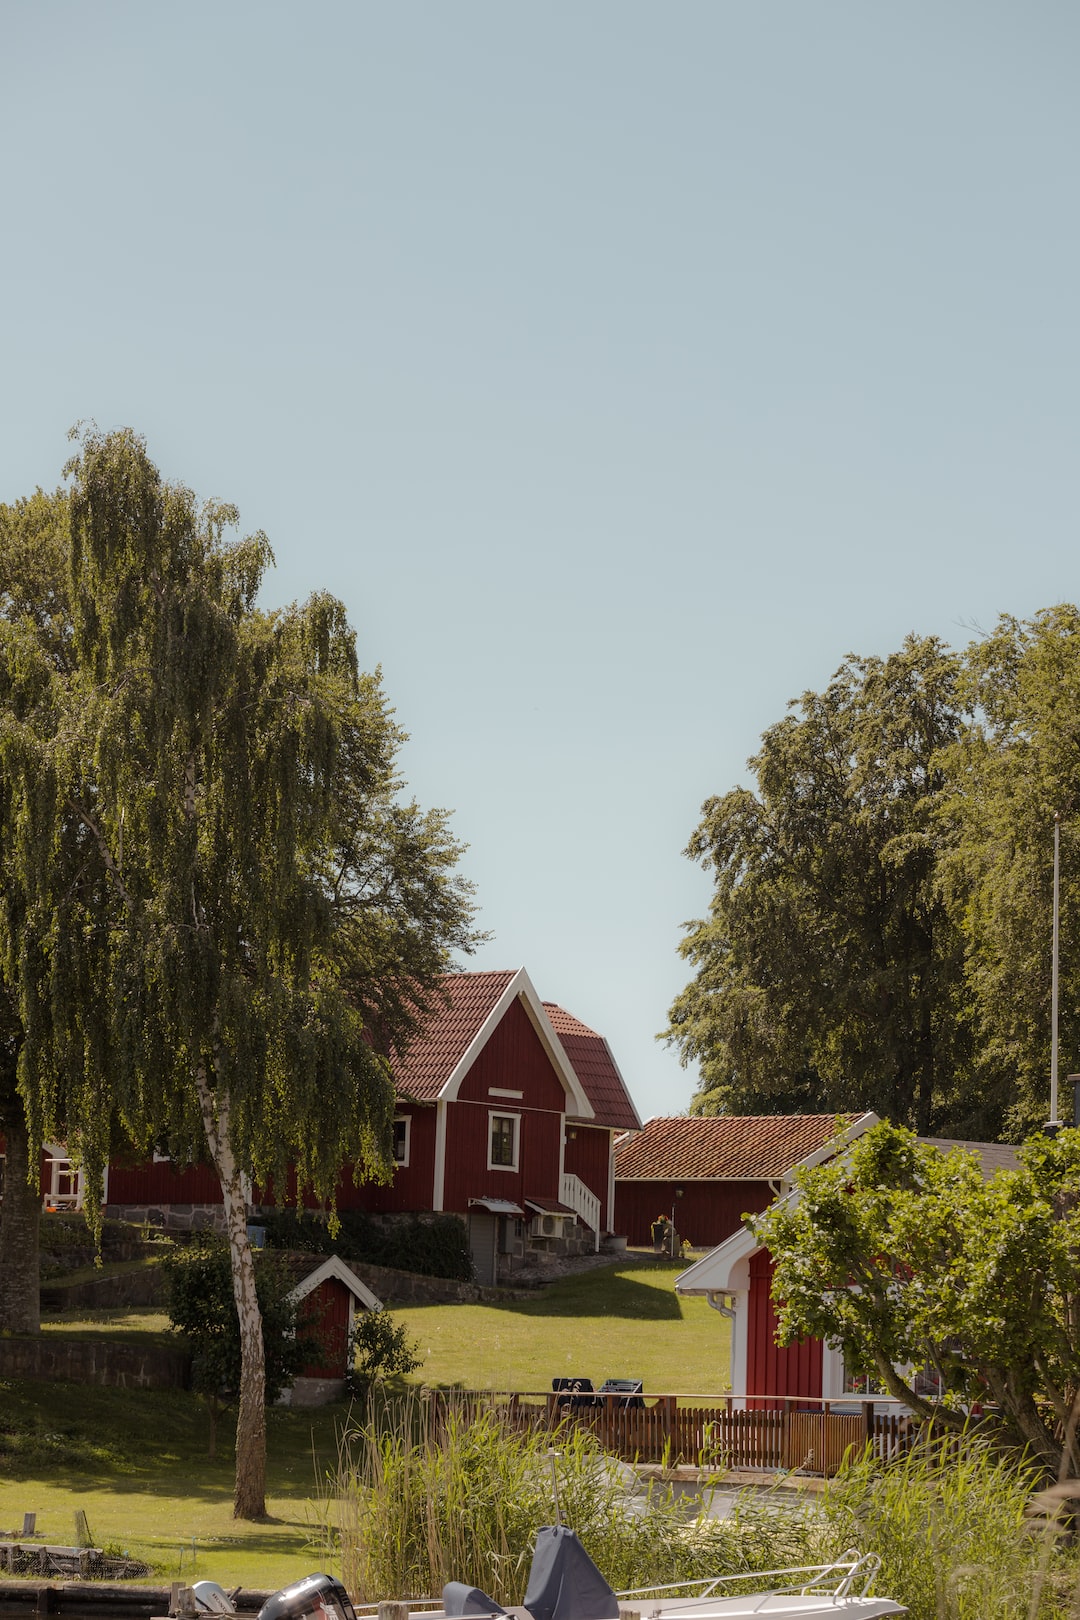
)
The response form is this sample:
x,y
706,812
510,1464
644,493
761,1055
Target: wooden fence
x,y
668,1428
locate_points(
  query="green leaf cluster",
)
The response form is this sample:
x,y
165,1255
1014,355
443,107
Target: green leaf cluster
x,y
202,1309
879,929
907,1258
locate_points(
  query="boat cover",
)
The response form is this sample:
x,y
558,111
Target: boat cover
x,y
458,1598
564,1583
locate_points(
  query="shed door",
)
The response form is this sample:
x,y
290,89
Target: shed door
x,y
483,1232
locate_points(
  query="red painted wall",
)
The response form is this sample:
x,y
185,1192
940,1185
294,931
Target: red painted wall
x,y
327,1309
770,1370
513,1059
588,1156
413,1185
706,1214
163,1184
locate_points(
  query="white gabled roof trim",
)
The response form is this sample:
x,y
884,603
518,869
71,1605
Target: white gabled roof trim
x,y
521,987
835,1144
715,1272
334,1266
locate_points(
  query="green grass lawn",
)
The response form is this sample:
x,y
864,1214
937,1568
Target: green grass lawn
x,y
136,1463
622,1321
132,1322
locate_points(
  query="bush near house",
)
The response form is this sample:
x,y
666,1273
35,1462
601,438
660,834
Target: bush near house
x,y
435,1248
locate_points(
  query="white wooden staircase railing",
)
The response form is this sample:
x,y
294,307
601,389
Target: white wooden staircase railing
x,y
583,1201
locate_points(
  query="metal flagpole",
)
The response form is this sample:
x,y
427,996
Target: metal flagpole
x,y
1054,1121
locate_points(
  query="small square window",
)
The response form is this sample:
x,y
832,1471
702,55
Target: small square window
x,y
503,1141
402,1127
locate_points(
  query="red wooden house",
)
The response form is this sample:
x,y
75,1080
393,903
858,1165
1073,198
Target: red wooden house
x,y
736,1279
705,1174
507,1112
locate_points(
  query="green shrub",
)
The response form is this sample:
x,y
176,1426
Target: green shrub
x,y
203,1310
435,1248
379,1348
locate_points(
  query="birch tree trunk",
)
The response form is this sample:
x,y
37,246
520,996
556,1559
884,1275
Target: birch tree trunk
x,y
249,1501
20,1221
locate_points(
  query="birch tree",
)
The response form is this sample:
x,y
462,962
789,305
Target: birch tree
x,y
222,912
35,655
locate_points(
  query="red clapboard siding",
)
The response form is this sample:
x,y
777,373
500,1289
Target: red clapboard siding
x,y
467,1173
770,1370
326,1308
707,1213
413,1185
163,1184
588,1156
514,1058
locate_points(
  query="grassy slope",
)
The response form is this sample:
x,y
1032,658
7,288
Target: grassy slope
x,y
136,1461
620,1322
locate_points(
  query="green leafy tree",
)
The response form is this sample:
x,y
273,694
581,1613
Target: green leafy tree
x,y
907,1258
1014,768
829,974
35,650
219,913
202,1309
379,1348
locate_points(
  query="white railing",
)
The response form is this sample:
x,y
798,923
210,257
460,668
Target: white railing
x,y
583,1201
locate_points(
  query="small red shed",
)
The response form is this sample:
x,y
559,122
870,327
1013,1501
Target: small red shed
x,y
332,1292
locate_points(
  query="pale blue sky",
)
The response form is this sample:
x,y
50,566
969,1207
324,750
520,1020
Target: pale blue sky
x,y
622,366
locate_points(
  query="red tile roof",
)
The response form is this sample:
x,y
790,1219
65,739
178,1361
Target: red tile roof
x,y
592,1062
755,1147
421,1071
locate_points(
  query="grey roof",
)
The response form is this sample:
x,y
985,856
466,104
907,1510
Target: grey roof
x,y
992,1156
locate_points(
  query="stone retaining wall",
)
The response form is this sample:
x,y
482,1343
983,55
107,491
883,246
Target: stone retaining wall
x,y
94,1361
410,1288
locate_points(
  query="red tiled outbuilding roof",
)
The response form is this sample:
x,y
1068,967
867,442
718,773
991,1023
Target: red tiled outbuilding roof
x,y
754,1147
592,1062
426,1064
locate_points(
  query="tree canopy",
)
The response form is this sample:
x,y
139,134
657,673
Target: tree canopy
x,y
219,913
910,1261
879,929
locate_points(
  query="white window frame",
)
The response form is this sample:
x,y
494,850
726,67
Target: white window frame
x,y
502,1113
406,1120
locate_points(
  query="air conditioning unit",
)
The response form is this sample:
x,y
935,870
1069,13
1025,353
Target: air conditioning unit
x,y
549,1225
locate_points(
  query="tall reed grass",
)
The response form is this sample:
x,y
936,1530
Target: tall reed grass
x,y
427,1492
953,1528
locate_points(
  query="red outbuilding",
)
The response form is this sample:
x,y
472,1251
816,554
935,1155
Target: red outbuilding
x,y
706,1174
736,1279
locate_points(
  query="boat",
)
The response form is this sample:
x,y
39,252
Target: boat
x,y
565,1584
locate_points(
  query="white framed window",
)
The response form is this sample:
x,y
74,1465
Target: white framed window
x,y
504,1137
402,1139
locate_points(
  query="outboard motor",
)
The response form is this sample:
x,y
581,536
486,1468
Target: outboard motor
x,y
319,1596
564,1583
459,1599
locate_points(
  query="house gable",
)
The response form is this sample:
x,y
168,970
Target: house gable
x,y
436,1064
